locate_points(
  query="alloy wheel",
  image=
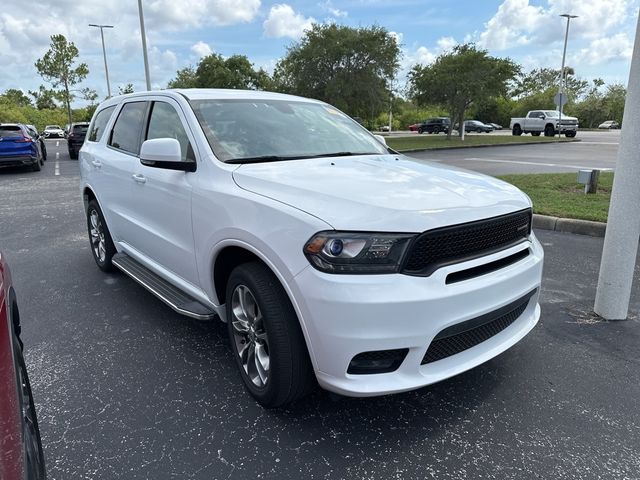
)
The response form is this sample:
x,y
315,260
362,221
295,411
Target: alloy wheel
x,y
250,335
97,236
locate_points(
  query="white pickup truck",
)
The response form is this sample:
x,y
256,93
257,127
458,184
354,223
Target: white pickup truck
x,y
545,121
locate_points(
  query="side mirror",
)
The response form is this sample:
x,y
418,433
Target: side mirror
x,y
164,153
381,139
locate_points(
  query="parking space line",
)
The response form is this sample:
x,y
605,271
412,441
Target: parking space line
x,y
541,164
57,168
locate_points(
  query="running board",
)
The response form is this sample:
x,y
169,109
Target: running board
x,y
175,298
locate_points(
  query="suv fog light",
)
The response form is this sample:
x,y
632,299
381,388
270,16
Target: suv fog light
x,y
380,361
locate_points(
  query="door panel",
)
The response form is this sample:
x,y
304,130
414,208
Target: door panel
x,y
162,227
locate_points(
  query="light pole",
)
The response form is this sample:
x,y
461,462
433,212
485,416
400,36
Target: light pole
x,y
564,54
104,54
144,46
623,226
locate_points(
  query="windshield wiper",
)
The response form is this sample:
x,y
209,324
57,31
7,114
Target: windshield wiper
x,y
265,158
279,158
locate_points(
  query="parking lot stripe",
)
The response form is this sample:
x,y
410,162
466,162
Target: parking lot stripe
x,y
57,169
541,164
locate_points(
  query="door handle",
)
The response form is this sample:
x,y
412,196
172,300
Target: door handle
x,y
96,163
138,177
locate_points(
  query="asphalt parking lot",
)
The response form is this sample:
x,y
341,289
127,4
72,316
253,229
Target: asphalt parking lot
x,y
126,388
594,150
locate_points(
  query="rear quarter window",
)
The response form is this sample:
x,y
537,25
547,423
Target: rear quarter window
x,y
99,124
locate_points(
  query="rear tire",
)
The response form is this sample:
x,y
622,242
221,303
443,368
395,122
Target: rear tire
x,y
102,247
517,131
266,338
36,167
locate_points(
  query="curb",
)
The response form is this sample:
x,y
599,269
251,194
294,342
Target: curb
x,y
549,142
569,225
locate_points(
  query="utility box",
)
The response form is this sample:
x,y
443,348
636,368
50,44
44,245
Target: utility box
x,y
589,178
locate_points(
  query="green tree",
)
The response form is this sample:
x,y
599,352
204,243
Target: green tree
x,y
185,78
57,67
128,88
237,71
458,79
16,97
44,98
215,71
545,79
350,68
613,102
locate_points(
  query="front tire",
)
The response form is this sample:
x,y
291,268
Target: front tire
x,y
549,131
266,337
102,247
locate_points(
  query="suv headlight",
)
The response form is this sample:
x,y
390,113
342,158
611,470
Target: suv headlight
x,y
357,252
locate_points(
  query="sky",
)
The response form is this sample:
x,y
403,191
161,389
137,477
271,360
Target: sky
x,y
180,32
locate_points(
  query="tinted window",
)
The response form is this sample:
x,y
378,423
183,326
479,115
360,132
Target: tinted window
x,y
126,131
165,123
99,124
10,131
80,129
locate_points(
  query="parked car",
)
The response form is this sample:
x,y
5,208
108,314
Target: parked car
x,y
75,138
545,121
414,127
21,456
384,128
204,197
435,125
40,139
18,148
609,124
495,126
53,131
477,126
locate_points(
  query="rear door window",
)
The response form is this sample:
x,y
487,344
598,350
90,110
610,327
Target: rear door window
x,y
128,127
99,124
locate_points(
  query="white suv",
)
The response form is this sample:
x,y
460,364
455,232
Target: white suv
x,y
330,256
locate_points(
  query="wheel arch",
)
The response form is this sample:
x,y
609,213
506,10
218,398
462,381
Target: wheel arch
x,y
228,256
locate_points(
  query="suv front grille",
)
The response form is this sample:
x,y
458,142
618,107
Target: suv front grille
x,y
465,335
458,243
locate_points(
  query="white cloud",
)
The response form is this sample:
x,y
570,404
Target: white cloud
x,y
195,13
518,23
606,49
446,43
329,7
201,49
397,36
283,21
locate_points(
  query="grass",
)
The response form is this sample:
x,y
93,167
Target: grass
x,y
559,195
429,142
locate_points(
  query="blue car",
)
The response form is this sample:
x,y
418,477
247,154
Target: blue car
x,y
18,148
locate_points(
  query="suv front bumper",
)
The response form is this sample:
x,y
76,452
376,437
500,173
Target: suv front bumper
x,y
345,315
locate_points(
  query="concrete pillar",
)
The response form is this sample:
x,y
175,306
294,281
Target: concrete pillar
x,y
623,226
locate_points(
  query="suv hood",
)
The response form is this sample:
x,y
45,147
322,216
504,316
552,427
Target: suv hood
x,y
381,192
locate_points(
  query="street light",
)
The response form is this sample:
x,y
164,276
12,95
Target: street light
x,y
564,54
144,46
104,53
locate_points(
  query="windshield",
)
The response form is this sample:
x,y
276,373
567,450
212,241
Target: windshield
x,y
551,113
271,130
